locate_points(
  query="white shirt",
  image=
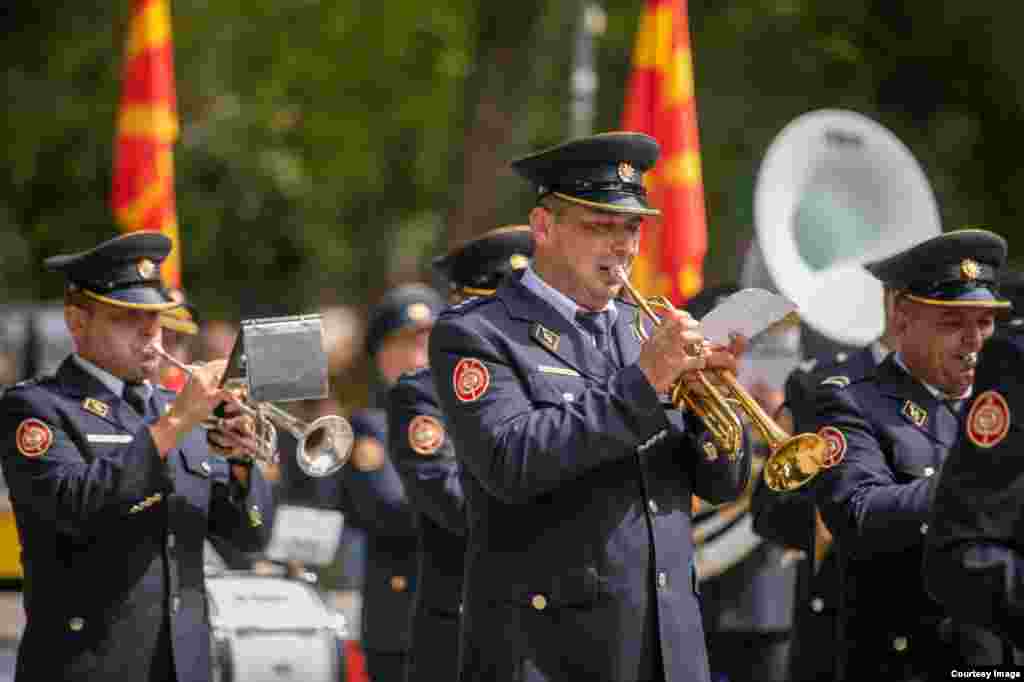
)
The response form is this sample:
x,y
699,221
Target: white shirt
x,y
115,384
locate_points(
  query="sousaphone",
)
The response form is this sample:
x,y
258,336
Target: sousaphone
x,y
837,190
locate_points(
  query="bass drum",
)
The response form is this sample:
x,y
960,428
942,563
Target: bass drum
x,y
272,628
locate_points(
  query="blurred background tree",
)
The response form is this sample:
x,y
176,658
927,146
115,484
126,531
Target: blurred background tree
x,y
329,149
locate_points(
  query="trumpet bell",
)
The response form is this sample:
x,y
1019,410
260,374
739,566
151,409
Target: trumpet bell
x,y
325,447
795,462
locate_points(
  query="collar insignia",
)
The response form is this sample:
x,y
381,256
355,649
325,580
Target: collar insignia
x,y
97,407
545,337
915,413
968,270
518,261
839,381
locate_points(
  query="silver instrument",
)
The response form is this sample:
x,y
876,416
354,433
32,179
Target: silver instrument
x,y
322,447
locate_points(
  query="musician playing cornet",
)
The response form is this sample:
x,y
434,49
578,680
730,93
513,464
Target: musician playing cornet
x,y
577,477
115,488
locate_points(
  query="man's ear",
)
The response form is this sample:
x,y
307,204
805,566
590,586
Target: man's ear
x,y
541,221
75,317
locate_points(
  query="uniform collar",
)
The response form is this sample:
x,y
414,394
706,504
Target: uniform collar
x,y
112,382
935,392
565,306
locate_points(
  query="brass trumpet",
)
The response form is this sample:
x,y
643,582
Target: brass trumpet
x,y
794,460
322,447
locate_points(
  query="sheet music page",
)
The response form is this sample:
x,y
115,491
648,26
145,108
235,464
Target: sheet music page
x,y
748,312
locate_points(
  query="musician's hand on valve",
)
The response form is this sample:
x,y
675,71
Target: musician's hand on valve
x,y
674,348
201,394
716,357
234,434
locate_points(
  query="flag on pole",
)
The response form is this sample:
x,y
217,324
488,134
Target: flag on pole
x,y
142,197
660,102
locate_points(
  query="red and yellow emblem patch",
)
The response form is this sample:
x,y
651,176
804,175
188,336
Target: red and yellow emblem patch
x,y
989,420
470,379
426,434
33,438
836,442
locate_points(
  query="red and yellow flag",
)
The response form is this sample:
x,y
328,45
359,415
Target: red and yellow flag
x,y
142,196
660,102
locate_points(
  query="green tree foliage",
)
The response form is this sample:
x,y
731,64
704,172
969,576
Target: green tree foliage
x,y
322,154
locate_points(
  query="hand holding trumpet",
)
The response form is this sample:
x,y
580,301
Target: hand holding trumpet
x,y
233,434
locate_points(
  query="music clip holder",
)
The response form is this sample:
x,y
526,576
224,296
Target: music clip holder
x,y
280,359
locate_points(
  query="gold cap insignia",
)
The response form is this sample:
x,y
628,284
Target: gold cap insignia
x,y
626,172
146,268
915,413
968,270
418,312
518,261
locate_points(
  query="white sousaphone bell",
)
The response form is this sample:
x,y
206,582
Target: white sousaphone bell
x,y
837,190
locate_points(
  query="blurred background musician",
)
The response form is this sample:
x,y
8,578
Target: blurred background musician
x,y
974,550
369,491
888,434
425,457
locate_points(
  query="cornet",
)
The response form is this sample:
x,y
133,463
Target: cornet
x,y
322,447
794,460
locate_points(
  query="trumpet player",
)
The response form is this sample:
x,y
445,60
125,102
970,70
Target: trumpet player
x,y
889,433
577,477
114,486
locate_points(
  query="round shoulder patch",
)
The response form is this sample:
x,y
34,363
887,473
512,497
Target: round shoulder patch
x,y
839,381
470,379
367,454
426,434
989,420
836,442
33,437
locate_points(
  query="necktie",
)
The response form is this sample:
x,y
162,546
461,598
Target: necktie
x,y
137,395
597,325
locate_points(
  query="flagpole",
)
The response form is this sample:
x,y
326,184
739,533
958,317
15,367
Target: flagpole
x,y
584,82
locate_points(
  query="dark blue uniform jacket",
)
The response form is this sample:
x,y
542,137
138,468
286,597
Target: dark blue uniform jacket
x,y
433,485
877,503
974,554
578,483
112,535
375,500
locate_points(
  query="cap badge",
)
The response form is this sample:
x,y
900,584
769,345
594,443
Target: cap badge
x,y
545,337
418,312
146,268
33,438
835,445
518,261
915,413
626,172
426,434
470,379
968,270
988,422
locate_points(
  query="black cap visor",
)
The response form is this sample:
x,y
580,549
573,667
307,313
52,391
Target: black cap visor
x,y
960,294
141,297
613,202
